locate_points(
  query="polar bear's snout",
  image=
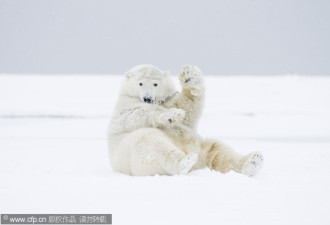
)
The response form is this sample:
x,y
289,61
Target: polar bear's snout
x,y
147,98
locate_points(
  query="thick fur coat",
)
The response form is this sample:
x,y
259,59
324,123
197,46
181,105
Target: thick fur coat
x,y
153,127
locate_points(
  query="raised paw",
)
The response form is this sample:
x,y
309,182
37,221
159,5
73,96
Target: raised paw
x,y
191,78
253,163
172,116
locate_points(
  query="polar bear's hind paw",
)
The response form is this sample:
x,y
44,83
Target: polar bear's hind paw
x,y
253,164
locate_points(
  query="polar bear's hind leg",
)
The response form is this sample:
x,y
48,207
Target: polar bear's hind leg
x,y
220,157
153,152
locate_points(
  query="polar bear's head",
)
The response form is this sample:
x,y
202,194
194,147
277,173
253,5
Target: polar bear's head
x,y
148,83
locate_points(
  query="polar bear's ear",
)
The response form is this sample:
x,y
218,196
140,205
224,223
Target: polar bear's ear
x,y
166,73
128,74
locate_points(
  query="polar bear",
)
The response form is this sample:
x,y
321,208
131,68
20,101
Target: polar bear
x,y
153,128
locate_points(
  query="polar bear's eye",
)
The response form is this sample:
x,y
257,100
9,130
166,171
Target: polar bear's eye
x,y
140,84
155,84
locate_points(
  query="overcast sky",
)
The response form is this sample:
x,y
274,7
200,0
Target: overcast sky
x,y
220,36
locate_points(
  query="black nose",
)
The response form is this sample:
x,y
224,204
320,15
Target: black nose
x,y
147,99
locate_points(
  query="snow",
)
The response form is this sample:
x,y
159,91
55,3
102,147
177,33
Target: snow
x,y
53,154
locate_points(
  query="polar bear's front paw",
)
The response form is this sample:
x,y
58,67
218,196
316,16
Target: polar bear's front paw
x,y
191,78
171,116
253,163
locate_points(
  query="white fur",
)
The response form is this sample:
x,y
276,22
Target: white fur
x,y
153,128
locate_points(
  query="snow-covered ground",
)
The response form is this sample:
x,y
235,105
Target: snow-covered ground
x,y
53,156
